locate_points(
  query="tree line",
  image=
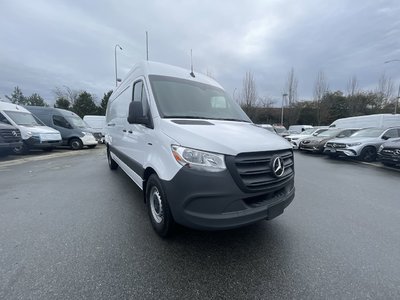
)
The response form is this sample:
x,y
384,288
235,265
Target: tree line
x,y
326,106
80,102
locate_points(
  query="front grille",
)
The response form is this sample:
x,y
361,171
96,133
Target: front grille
x,y
336,145
97,135
390,152
10,135
252,171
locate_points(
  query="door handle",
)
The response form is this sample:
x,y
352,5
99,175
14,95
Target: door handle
x,y
111,124
130,131
124,130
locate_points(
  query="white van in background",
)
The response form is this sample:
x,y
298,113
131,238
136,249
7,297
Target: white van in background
x,y
96,122
33,132
296,129
376,120
196,155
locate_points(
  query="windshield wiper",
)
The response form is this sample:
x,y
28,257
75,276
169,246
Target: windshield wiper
x,y
231,119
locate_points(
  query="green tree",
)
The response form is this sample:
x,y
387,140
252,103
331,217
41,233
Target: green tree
x,y
85,105
17,97
35,100
103,105
62,103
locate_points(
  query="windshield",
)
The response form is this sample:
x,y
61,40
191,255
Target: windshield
x,y
330,132
280,129
308,131
23,118
75,121
369,132
179,98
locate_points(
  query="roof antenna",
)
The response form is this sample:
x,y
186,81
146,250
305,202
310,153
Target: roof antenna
x,y
191,64
147,46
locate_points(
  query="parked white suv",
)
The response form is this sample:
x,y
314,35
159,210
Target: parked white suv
x,y
363,144
196,155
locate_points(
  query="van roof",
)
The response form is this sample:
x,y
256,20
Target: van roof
x,y
155,68
64,112
12,107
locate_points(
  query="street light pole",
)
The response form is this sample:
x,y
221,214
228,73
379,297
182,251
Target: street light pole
x,y
115,62
398,93
283,99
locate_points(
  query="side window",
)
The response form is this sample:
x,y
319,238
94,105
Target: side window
x,y
3,119
391,133
61,122
140,95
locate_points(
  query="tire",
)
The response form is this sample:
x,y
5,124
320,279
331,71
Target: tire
x,y
23,149
92,146
368,154
158,208
75,144
111,163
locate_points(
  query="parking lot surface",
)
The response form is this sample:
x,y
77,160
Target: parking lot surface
x,y
72,229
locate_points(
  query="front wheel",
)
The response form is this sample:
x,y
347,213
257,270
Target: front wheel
x,y
76,144
368,154
23,149
158,208
111,163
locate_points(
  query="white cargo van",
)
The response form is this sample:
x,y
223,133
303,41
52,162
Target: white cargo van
x,y
196,155
33,132
376,120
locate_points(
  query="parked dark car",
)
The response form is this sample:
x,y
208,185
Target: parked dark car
x,y
316,143
389,153
10,137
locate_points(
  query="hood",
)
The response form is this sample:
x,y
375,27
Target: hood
x,y
395,143
225,137
350,140
38,129
317,139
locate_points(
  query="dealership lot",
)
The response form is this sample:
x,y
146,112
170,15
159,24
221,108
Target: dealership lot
x,y
71,228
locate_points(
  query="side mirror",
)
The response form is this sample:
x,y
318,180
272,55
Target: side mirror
x,y
136,116
385,137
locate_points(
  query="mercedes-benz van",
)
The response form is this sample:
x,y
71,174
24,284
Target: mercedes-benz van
x,y
33,132
74,131
198,158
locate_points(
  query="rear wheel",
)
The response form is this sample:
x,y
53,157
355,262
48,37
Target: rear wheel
x,y
75,144
111,163
158,208
368,154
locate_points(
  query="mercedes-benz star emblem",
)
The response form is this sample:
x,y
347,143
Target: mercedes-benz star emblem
x,y
14,133
277,166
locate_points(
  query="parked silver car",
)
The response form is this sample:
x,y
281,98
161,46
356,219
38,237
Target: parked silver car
x,y
363,144
295,139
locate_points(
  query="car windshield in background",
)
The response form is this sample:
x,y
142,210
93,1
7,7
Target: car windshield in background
x,y
23,118
308,131
280,129
77,122
369,132
330,132
179,98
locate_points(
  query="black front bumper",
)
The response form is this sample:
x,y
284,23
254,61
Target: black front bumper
x,y
213,201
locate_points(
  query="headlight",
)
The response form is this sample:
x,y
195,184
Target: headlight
x,y
353,144
87,133
197,159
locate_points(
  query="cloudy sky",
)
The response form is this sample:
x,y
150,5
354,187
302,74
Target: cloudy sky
x,y
48,44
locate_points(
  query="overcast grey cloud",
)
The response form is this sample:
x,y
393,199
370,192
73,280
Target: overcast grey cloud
x,y
44,44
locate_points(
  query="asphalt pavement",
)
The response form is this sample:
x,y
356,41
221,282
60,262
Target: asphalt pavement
x,y
70,228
